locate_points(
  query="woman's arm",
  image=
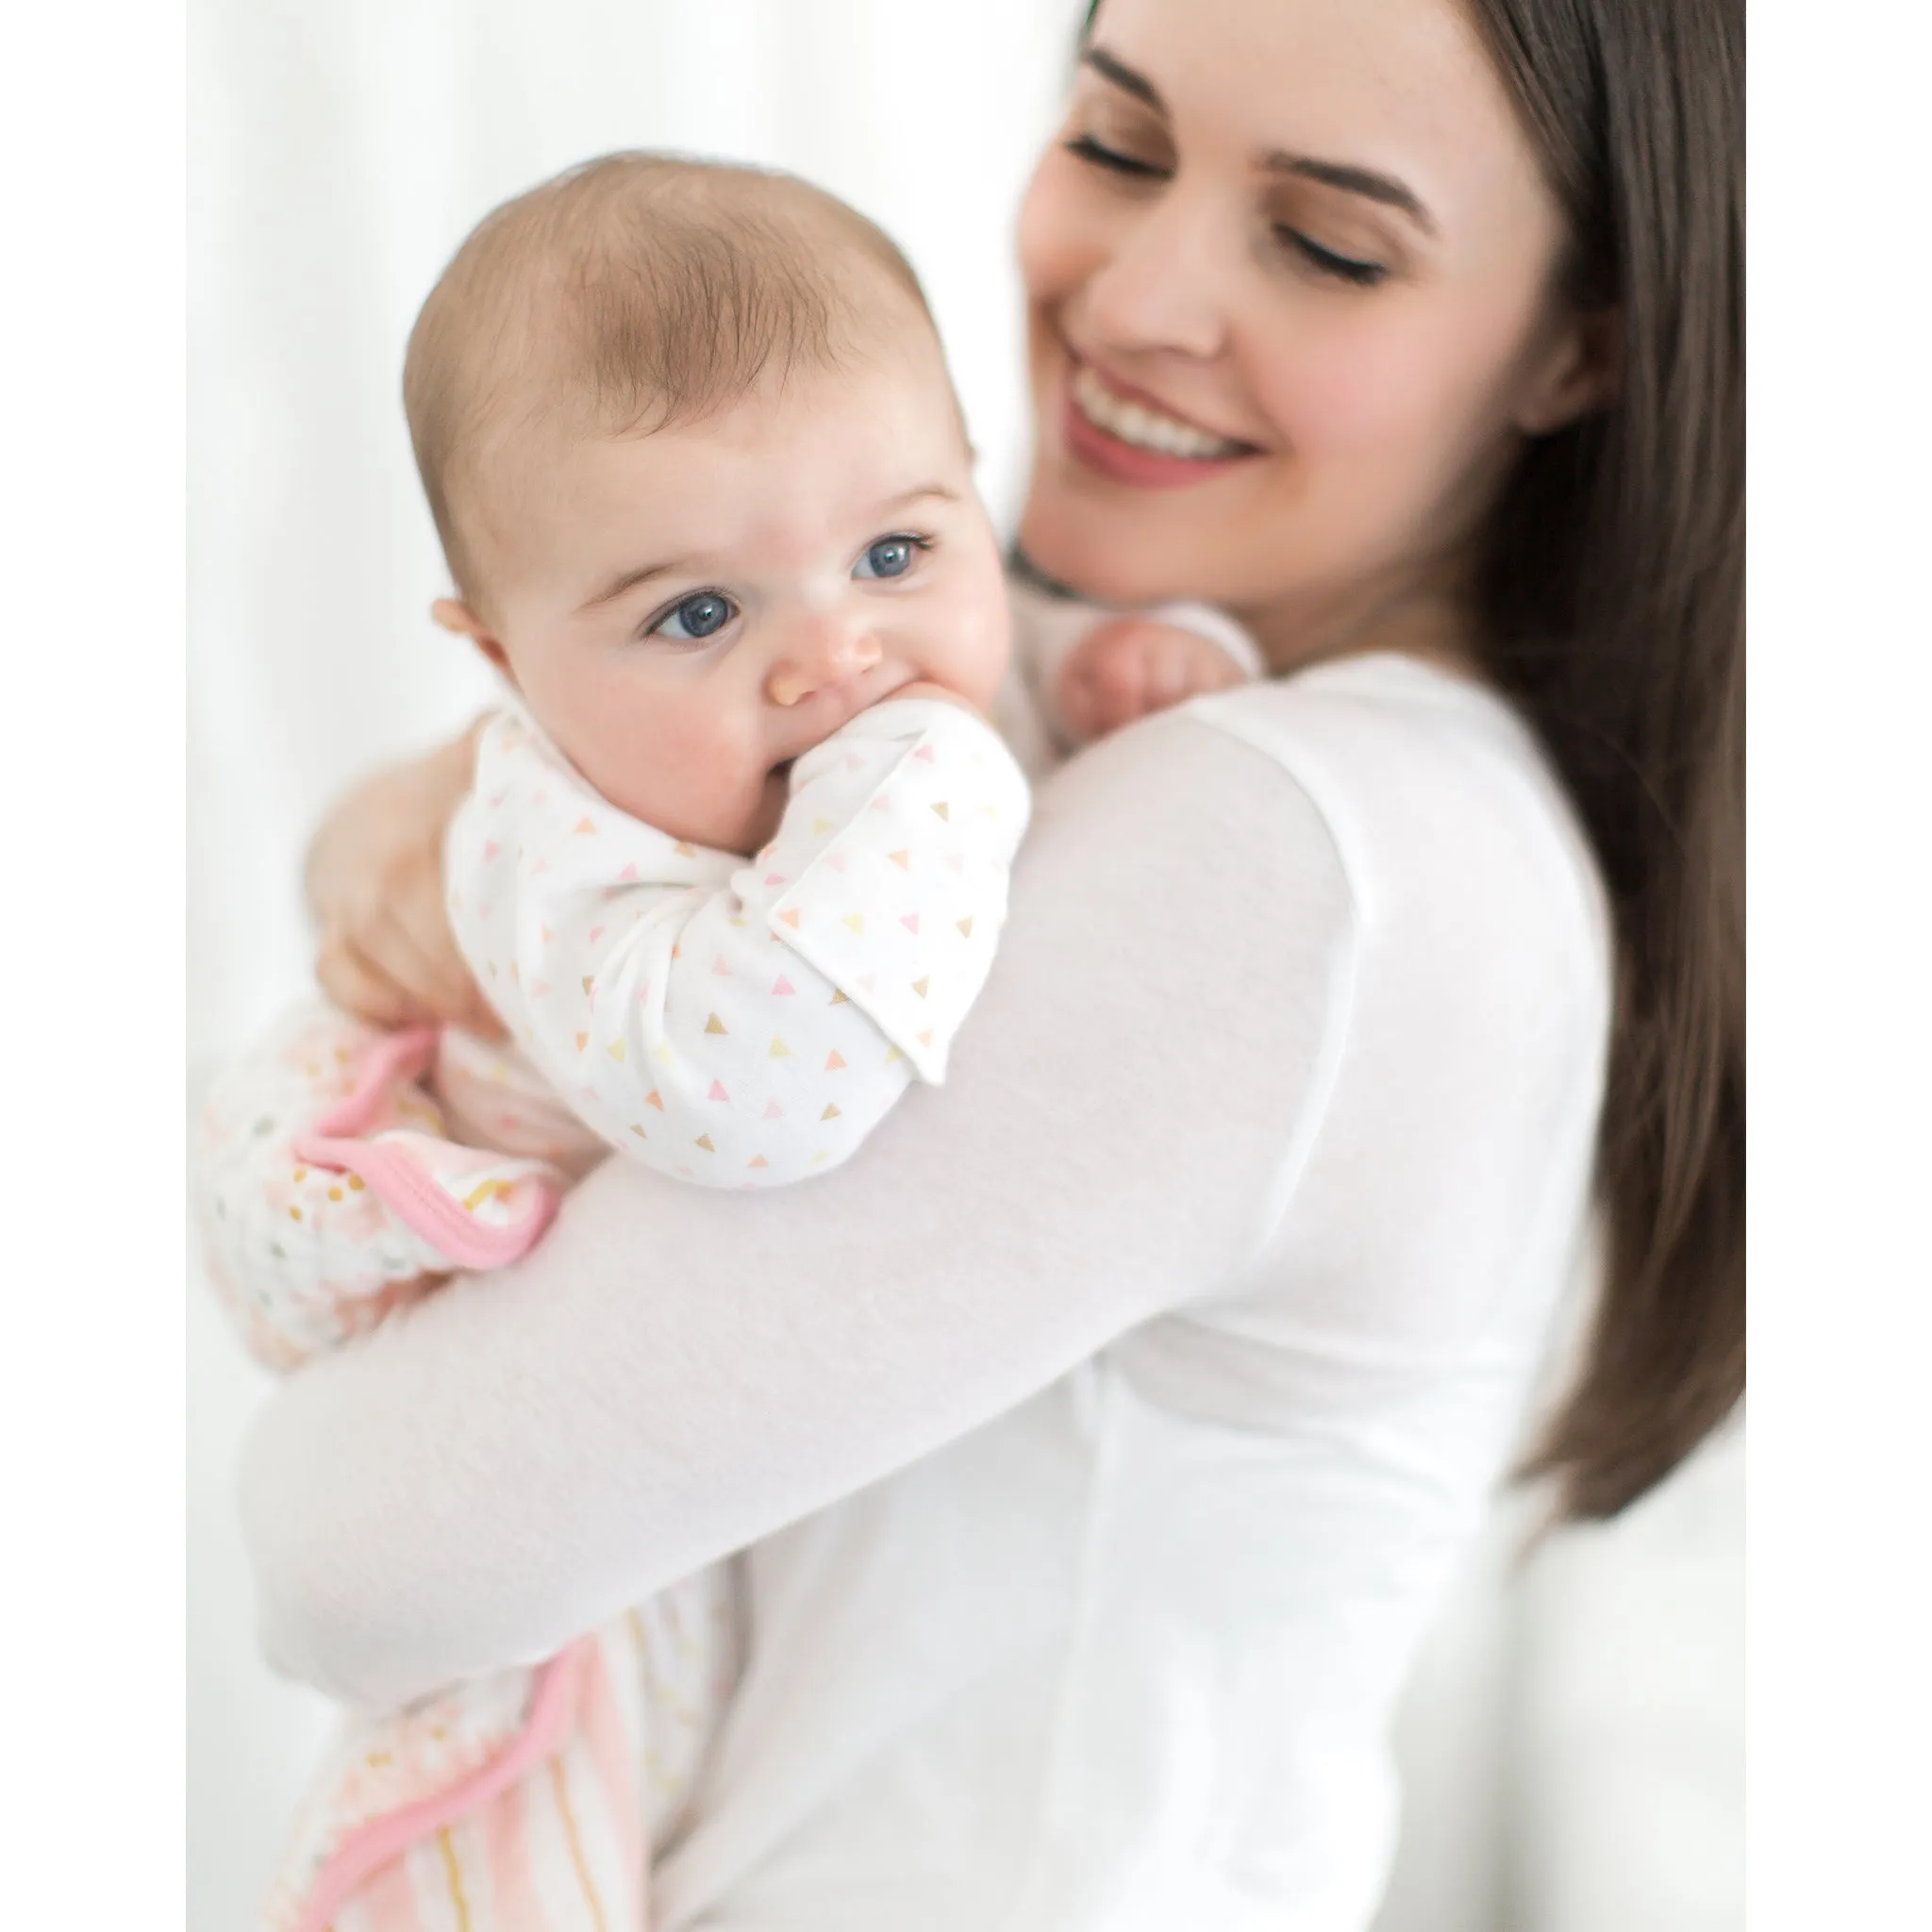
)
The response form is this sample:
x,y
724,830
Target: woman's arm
x,y
678,1372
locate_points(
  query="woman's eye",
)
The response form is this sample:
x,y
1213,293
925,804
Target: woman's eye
x,y
1346,268
1101,155
703,614
890,557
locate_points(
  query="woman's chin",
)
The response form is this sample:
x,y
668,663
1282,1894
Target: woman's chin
x,y
1089,554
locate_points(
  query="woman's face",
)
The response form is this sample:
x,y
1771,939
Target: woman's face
x,y
1289,268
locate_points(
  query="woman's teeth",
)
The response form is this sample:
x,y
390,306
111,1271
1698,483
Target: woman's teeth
x,y
1143,427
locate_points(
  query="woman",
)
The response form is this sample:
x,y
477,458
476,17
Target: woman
x,y
1102,1440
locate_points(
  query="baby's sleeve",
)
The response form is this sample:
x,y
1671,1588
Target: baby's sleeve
x,y
744,1024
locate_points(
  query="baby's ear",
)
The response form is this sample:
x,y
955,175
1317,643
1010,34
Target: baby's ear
x,y
458,617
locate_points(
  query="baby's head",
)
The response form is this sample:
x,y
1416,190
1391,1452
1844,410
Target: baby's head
x,y
701,479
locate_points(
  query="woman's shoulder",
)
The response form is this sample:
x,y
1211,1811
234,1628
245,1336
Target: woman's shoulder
x,y
1428,783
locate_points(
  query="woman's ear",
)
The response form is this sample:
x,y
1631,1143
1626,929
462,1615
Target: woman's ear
x,y
1577,372
458,617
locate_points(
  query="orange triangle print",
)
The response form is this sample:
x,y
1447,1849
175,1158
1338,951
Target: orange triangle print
x,y
714,1025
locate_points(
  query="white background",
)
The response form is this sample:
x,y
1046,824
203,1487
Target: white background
x,y
1575,1740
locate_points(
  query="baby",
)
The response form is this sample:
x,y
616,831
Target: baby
x,y
731,872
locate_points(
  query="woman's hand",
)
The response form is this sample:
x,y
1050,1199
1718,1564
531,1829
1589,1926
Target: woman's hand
x,y
375,885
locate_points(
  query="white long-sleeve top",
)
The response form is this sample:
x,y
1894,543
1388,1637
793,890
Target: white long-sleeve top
x,y
741,1022
1103,1432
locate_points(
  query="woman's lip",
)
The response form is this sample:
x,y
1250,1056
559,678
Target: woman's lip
x,y
1130,393
1126,462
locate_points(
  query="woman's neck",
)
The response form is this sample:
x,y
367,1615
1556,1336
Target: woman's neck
x,y
1430,618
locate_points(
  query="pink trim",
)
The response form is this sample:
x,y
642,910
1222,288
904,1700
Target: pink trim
x,y
427,1209
366,1852
403,1056
423,1207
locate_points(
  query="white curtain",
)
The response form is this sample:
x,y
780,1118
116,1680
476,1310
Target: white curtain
x,y
1573,1742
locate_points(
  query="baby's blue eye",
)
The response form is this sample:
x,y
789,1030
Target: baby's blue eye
x,y
890,557
702,615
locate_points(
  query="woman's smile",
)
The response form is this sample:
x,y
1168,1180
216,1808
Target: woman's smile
x,y
1129,438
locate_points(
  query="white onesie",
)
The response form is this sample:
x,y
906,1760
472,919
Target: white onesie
x,y
741,1024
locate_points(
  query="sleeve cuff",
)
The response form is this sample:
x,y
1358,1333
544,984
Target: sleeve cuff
x,y
902,909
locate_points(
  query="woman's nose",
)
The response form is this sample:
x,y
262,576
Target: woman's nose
x,y
819,654
1158,287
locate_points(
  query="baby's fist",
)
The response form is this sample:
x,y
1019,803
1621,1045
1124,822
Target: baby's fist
x,y
1129,667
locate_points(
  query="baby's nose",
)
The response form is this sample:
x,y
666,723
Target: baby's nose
x,y
824,653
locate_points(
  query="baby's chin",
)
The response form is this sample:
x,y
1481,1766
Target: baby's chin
x,y
763,828
744,822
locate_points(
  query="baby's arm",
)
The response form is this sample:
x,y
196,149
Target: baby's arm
x,y
1092,671
731,1022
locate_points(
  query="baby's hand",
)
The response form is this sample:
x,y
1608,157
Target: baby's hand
x,y
1131,666
919,688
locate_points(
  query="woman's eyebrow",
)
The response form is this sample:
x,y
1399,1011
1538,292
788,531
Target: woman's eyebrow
x,y
1122,77
1352,181
1364,181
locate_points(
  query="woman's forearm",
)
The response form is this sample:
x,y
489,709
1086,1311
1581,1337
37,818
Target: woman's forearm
x,y
678,1372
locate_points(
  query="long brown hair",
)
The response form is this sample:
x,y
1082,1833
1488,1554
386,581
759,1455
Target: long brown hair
x,y
1615,597
1614,616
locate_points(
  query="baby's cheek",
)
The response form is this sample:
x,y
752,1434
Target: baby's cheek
x,y
967,652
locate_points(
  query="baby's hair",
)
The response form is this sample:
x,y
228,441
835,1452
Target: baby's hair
x,y
629,294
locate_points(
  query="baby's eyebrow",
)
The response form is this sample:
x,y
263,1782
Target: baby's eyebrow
x,y
913,496
630,579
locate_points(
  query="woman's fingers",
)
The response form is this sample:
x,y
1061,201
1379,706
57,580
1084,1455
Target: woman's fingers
x,y
364,987
375,884
412,941
420,921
